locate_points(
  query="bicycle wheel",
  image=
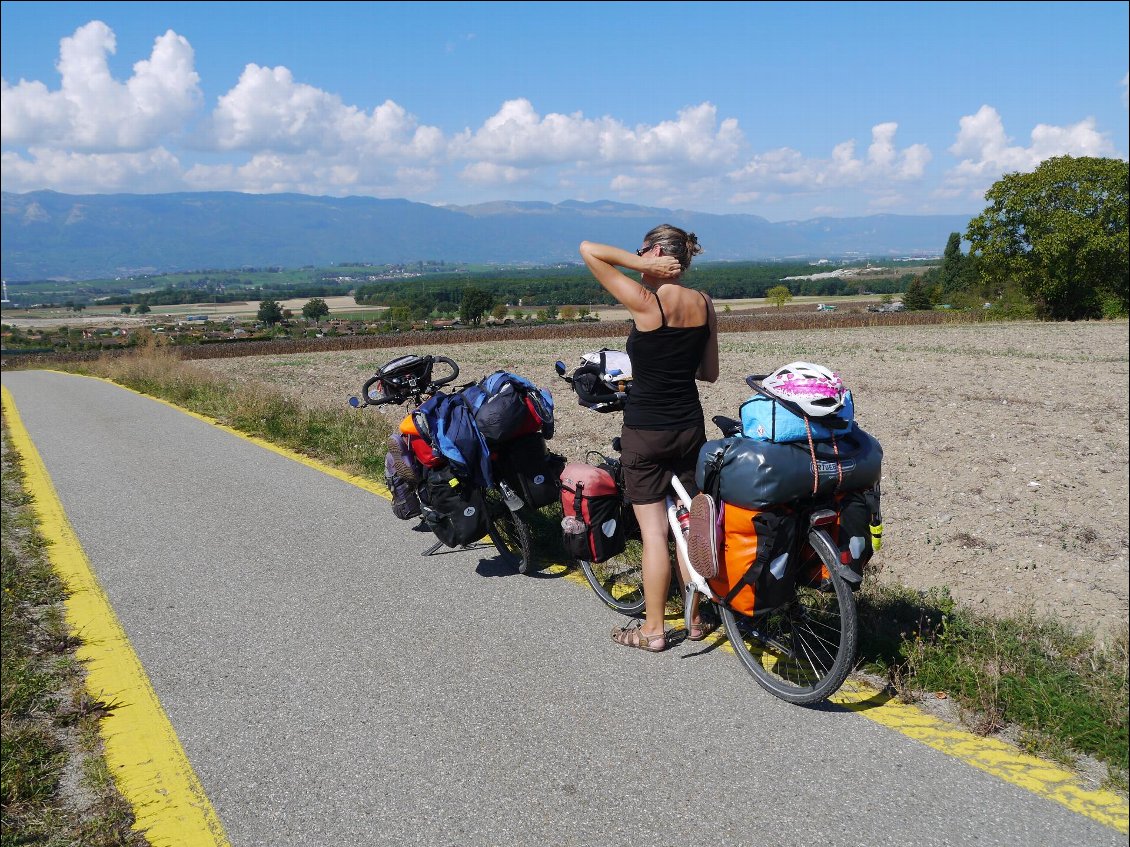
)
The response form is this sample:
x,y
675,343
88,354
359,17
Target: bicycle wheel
x,y
508,531
618,582
802,651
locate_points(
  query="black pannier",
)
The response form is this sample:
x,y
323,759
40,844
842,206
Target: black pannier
x,y
453,510
529,468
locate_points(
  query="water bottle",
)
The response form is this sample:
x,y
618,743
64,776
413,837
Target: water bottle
x,y
571,526
513,501
876,536
683,515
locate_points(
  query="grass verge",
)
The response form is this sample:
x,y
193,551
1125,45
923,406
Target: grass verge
x,y
1065,694
55,787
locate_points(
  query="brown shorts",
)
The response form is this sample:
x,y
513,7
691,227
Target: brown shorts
x,y
649,457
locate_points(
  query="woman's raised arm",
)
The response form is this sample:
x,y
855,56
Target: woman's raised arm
x,y
604,261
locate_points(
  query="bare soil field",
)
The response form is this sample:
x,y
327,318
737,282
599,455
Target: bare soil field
x,y
1006,466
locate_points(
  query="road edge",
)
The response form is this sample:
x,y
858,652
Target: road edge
x,y
142,750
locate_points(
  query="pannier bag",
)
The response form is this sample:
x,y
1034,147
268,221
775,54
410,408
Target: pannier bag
x,y
530,469
402,477
508,406
757,474
421,449
448,425
603,380
590,496
452,509
756,567
856,531
766,418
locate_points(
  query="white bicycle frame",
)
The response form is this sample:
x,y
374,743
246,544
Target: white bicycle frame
x,y
697,581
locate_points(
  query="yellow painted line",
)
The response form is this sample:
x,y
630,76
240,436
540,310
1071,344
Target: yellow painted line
x,y
144,755
992,756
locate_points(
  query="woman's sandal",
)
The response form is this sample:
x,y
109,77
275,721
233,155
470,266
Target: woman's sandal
x,y
699,631
632,636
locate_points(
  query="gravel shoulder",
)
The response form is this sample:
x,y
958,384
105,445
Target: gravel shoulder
x,y
1006,466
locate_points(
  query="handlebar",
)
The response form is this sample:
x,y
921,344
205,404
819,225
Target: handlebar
x,y
404,379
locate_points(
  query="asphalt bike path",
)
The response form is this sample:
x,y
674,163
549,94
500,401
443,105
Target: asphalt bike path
x,y
329,685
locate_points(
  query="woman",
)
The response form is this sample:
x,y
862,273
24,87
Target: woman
x,y
673,342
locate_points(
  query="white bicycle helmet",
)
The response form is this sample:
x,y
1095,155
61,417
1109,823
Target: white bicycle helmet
x,y
817,390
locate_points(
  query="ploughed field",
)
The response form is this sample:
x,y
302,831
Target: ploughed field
x,y
1005,445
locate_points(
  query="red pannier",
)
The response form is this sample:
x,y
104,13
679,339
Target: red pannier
x,y
589,496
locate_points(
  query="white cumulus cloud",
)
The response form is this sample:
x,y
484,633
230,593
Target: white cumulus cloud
x,y
70,172
93,112
517,136
987,152
268,109
785,169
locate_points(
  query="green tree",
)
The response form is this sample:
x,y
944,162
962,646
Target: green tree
x,y
143,309
270,312
315,309
1060,235
917,297
474,305
126,310
779,295
951,276
568,313
500,311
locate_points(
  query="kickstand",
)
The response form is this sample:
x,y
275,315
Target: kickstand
x,y
435,549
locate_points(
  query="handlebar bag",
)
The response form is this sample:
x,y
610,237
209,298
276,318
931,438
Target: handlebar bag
x,y
757,474
765,418
530,469
452,509
589,494
756,566
603,380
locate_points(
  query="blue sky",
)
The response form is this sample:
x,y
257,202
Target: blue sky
x,y
785,110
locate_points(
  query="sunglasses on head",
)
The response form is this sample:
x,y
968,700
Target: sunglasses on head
x,y
648,249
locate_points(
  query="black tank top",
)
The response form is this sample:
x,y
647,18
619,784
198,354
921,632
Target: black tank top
x,y
664,362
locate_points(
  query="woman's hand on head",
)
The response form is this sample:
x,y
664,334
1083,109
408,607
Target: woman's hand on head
x,y
661,267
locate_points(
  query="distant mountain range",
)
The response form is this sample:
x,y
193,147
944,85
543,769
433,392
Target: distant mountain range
x,y
47,235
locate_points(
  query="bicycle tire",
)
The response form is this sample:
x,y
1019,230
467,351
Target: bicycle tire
x,y
618,582
803,651
508,531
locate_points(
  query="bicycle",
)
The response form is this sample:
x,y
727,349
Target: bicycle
x,y
800,651
409,381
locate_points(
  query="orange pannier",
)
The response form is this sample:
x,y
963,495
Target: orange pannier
x,y
755,568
